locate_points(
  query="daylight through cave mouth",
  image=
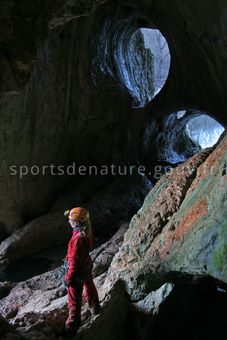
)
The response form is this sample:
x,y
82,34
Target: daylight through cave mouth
x,y
204,130
137,59
174,139
192,132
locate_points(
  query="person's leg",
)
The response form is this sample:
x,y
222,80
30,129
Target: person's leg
x,y
91,294
74,301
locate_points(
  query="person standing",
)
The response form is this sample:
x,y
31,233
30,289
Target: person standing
x,y
79,268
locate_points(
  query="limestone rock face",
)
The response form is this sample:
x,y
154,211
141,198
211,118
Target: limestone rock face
x,y
167,141
120,52
22,30
180,229
103,255
152,302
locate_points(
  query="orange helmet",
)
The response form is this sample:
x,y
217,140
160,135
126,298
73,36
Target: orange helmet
x,y
78,214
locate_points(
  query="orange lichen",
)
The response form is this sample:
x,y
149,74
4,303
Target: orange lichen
x,y
184,225
195,213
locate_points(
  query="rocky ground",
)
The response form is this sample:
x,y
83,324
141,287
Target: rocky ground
x,y
37,308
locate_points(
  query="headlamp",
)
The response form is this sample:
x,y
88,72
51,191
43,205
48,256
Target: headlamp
x,y
66,213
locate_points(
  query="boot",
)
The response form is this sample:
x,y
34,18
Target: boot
x,y
70,329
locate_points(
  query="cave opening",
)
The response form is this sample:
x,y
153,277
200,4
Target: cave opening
x,y
133,57
157,44
204,130
174,139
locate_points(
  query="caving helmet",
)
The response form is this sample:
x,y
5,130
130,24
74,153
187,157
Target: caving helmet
x,y
77,214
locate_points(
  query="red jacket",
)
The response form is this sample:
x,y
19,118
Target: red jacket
x,y
78,255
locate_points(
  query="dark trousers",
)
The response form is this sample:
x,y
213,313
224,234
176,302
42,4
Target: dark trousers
x,y
75,292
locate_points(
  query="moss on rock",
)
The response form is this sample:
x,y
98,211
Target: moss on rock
x,y
220,255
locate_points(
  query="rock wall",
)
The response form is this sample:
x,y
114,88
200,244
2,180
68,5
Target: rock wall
x,y
53,122
180,229
156,42
23,29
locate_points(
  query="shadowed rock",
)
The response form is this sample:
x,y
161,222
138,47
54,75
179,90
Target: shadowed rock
x,y
106,211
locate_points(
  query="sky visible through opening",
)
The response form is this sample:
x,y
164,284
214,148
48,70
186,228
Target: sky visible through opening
x,y
204,130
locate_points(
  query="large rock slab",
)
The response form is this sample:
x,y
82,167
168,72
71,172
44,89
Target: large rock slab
x,y
41,233
103,255
180,229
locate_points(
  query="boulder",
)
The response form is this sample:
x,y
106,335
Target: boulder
x,y
180,229
152,302
103,255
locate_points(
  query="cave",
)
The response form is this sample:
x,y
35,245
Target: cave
x,y
136,59
118,107
177,137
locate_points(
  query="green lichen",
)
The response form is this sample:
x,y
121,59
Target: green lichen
x,y
220,255
142,248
